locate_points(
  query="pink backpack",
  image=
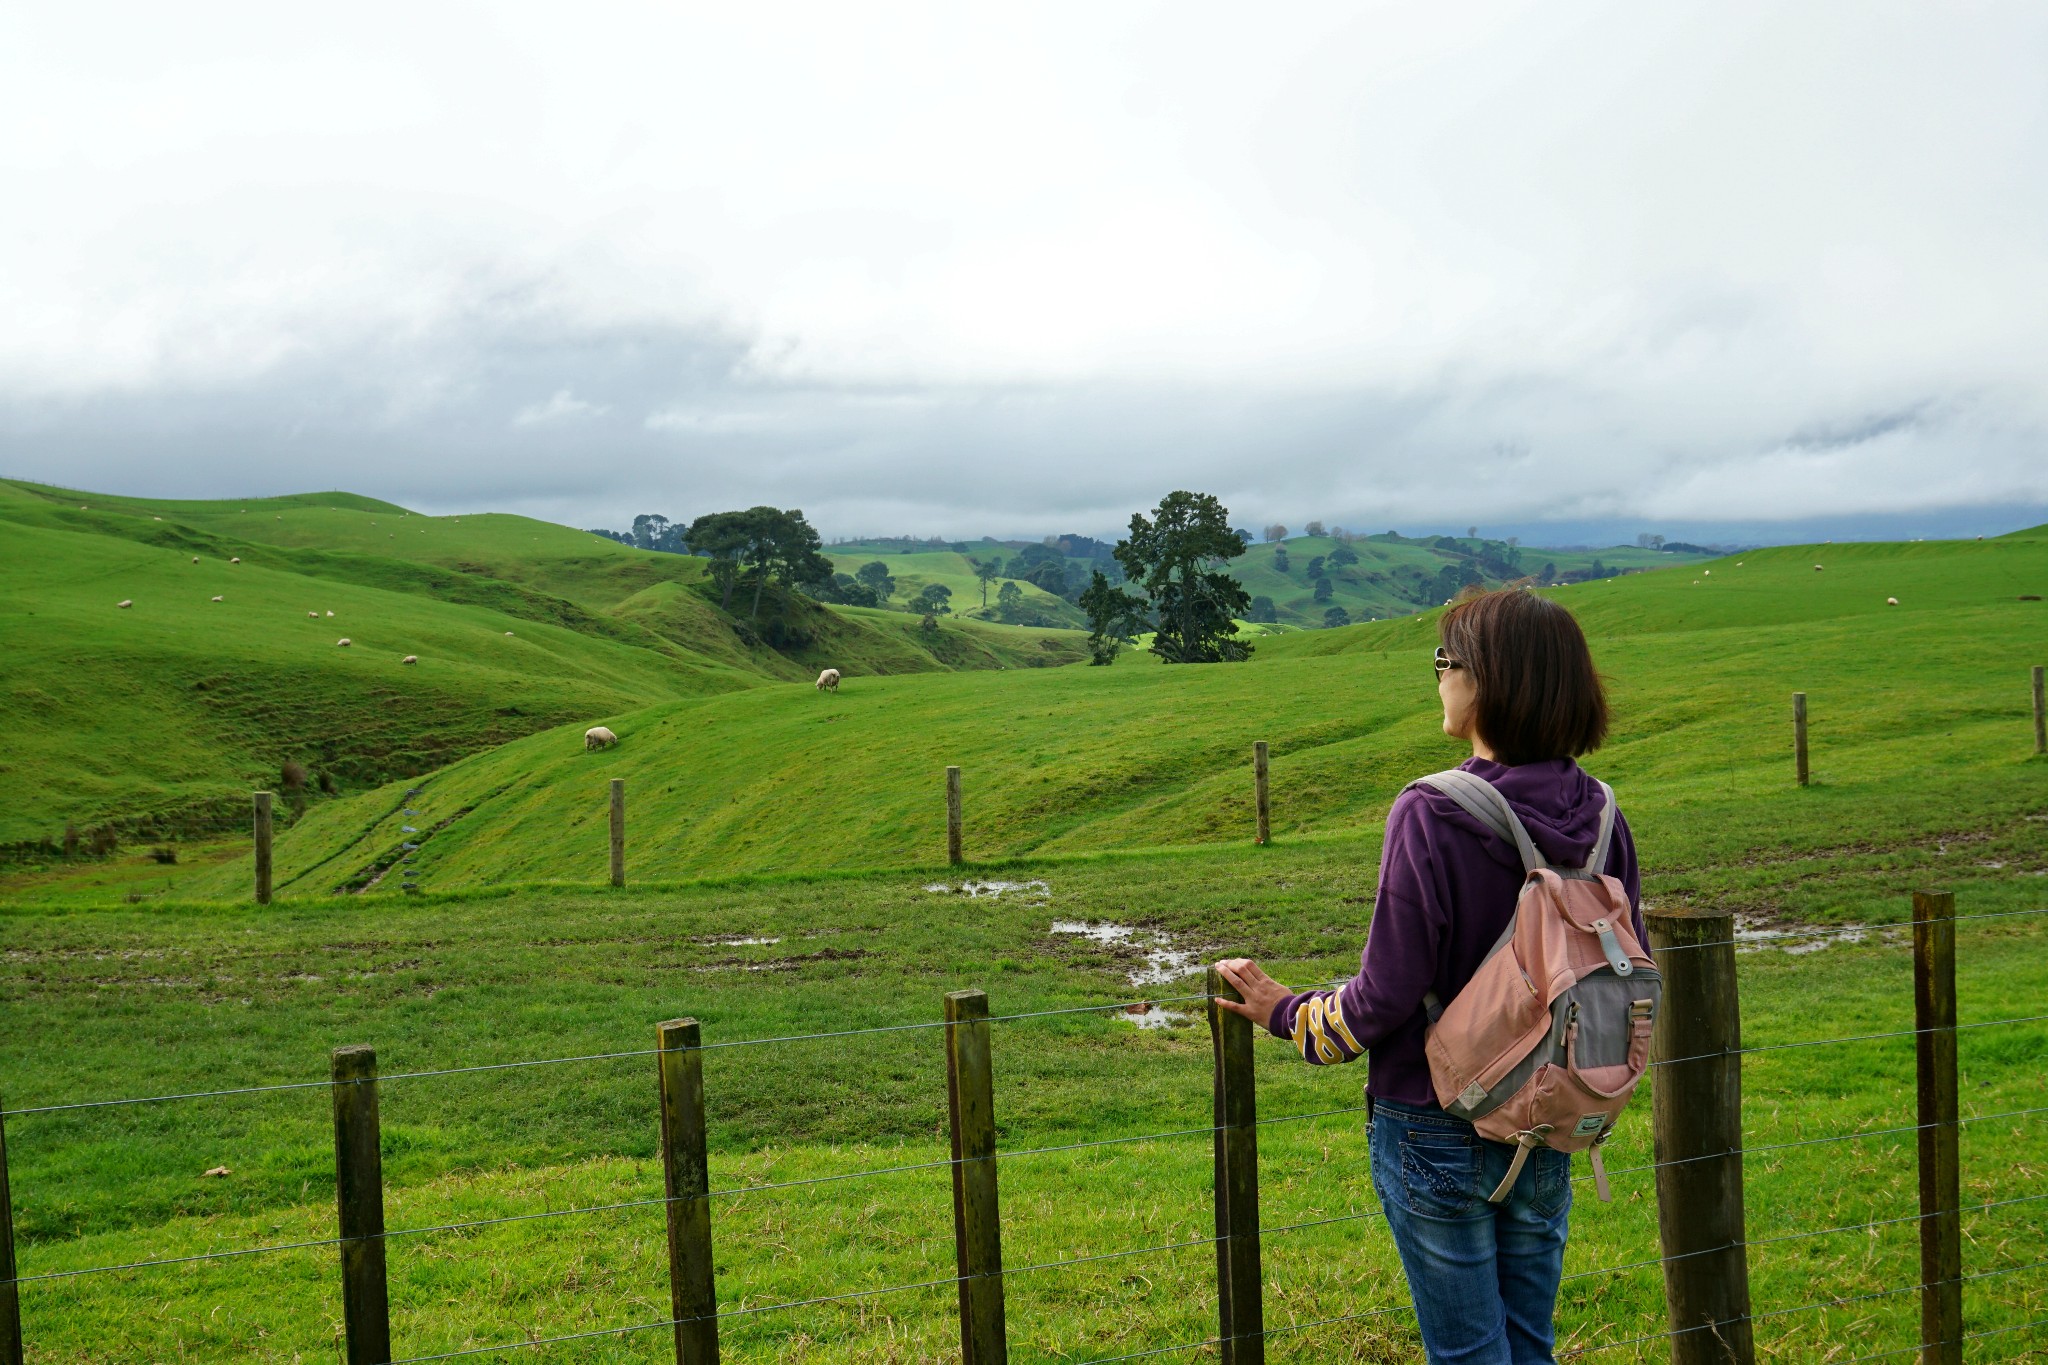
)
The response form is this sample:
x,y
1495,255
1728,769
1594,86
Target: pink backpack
x,y
1547,1042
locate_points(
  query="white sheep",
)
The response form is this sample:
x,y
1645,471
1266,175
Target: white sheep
x,y
330,614
410,659
314,614
342,643
1891,601
195,559
125,603
598,737
828,681
234,559
1817,568
219,599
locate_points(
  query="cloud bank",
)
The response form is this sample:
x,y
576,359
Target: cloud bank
x,y
917,269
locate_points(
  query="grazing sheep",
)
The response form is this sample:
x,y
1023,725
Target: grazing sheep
x,y
828,681
410,659
125,603
330,614
508,632
1891,601
314,614
597,737
342,643
218,599
234,559
1817,568
195,559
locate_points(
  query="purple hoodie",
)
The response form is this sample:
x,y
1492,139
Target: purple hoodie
x,y
1448,886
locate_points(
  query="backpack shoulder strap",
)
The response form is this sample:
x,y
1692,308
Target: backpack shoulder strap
x,y
1597,864
1484,803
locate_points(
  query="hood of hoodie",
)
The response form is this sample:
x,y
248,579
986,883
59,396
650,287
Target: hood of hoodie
x,y
1557,800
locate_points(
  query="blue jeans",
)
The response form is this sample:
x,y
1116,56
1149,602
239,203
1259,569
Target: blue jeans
x,y
1483,1276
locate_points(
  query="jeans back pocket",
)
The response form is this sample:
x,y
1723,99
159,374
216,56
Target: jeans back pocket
x,y
1440,1173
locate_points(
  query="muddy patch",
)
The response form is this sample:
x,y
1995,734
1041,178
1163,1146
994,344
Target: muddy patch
x,y
1755,934
1156,959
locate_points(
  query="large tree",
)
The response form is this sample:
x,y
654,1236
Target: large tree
x,y
1175,556
756,545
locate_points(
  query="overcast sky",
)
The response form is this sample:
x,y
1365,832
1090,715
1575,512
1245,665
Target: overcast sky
x,y
961,268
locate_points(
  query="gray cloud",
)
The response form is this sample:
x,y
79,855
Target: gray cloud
x,y
1596,268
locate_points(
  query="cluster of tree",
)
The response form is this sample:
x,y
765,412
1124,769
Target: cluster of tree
x,y
1174,558
759,545
651,531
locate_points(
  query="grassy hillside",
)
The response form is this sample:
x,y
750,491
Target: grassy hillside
x,y
1923,778
914,569
1931,692
154,721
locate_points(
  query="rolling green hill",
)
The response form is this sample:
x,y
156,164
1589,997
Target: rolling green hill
x,y
788,780
153,721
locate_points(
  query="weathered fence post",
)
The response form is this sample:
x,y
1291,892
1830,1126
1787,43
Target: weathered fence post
x,y
10,1298
1259,782
1941,1226
686,1178
618,831
1241,1314
1799,734
953,816
977,1224
2040,713
359,1198
263,848
1696,1115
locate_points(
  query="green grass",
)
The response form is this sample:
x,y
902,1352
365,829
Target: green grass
x,y
1927,698
1923,778
913,570
136,1001
156,720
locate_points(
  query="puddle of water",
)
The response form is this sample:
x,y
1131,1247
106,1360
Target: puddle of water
x,y
1796,941
976,890
1163,961
737,941
1149,1016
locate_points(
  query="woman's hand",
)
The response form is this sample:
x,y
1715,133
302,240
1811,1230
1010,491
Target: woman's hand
x,y
1261,992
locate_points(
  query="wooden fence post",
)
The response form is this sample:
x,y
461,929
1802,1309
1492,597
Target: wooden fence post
x,y
953,816
2040,713
618,831
10,1298
359,1199
1241,1314
1941,1226
1696,1116
686,1177
1799,734
263,848
1259,782
977,1221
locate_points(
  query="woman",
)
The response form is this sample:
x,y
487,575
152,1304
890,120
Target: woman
x,y
1517,682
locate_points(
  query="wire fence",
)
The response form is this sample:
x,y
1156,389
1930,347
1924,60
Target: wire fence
x,y
1221,1132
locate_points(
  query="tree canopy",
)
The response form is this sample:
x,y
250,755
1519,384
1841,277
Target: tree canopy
x,y
756,545
1174,556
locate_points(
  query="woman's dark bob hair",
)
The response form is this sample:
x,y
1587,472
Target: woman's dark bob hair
x,y
1538,695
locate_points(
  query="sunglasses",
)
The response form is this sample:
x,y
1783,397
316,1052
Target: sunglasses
x,y
1444,662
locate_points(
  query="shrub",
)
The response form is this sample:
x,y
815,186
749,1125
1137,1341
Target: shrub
x,y
327,783
294,775
164,855
71,841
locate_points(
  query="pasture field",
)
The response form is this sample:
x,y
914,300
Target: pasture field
x,y
1919,723
782,854
132,1001
157,719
